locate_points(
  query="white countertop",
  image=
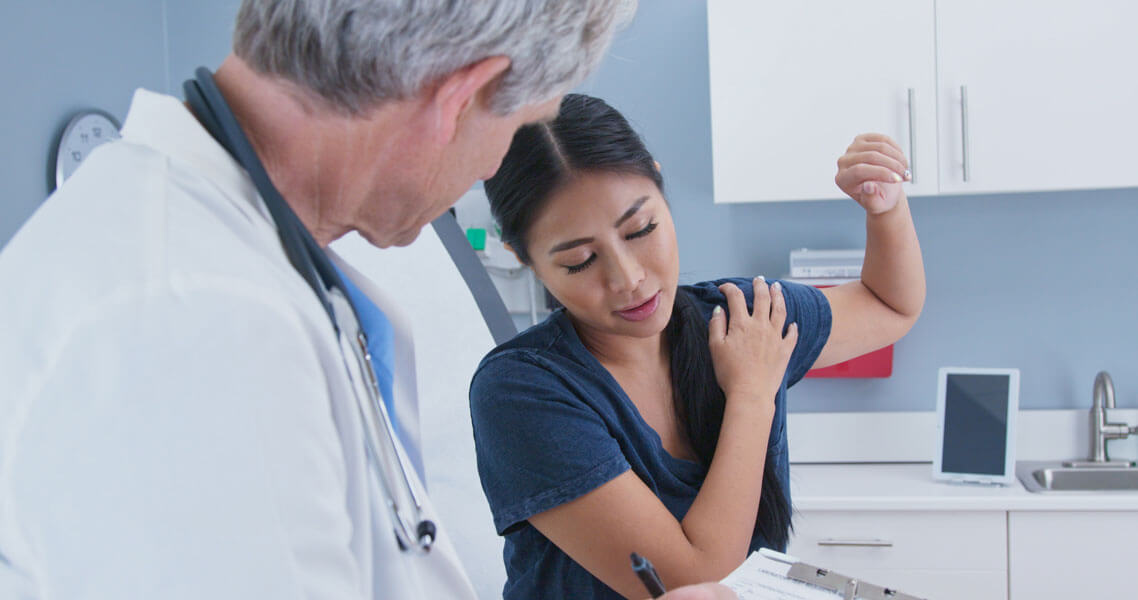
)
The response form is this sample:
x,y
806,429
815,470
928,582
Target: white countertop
x,y
892,487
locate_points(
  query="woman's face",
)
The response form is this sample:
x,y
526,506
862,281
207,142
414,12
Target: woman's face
x,y
605,247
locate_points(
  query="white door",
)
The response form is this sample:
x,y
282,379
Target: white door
x,y
1052,99
792,83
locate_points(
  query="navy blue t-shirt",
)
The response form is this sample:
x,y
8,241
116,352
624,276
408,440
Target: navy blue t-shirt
x,y
551,424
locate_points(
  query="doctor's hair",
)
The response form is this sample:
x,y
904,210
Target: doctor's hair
x,y
356,54
589,136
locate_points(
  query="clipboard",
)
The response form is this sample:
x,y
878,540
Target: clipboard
x,y
768,574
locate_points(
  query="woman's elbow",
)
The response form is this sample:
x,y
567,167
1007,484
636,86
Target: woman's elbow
x,y
905,318
705,567
907,306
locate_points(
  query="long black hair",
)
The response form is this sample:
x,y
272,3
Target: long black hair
x,y
588,135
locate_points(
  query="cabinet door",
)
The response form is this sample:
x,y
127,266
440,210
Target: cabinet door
x,y
934,554
1062,555
1052,102
792,83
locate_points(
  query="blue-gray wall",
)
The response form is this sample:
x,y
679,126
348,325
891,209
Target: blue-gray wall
x,y
200,35
60,56
1042,282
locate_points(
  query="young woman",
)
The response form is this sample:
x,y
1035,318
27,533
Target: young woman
x,y
645,416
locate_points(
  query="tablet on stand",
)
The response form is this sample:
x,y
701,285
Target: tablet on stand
x,y
976,425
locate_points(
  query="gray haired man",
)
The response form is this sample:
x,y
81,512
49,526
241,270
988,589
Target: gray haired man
x,y
178,416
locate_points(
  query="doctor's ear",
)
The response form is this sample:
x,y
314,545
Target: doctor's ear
x,y
456,94
657,163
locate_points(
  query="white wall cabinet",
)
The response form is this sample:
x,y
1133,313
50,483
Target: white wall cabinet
x,y
1060,555
792,83
1050,103
933,554
1052,100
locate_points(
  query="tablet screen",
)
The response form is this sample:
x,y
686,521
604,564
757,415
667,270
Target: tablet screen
x,y
975,423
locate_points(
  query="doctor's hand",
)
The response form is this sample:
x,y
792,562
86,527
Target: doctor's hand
x,y
748,349
703,591
871,172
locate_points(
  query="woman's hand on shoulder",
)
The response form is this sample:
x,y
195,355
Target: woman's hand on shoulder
x,y
871,172
748,350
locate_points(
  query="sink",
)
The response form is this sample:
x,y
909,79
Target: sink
x,y
1055,477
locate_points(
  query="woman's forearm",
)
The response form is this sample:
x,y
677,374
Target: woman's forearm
x,y
893,269
721,520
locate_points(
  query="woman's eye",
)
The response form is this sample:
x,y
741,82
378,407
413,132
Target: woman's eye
x,y
649,228
582,266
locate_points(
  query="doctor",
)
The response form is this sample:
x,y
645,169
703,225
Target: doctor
x,y
185,411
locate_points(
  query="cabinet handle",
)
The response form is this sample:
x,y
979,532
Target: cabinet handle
x,y
964,129
912,139
856,543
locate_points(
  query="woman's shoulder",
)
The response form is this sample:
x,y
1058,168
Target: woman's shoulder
x,y
707,296
707,292
539,369
536,348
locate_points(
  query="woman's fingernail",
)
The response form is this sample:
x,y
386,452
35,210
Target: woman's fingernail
x,y
776,286
715,311
908,175
896,178
761,278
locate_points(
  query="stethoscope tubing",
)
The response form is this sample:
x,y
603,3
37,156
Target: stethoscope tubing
x,y
305,255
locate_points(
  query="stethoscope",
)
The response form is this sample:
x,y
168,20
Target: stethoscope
x,y
412,529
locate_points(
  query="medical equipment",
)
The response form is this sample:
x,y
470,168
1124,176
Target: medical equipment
x,y
412,529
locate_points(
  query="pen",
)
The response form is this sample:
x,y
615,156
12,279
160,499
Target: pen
x,y
647,575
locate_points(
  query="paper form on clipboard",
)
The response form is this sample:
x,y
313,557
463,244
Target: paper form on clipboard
x,y
764,577
770,575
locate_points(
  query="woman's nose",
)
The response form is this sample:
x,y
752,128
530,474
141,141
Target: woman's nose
x,y
624,272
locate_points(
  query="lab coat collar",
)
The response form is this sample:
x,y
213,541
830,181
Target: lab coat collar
x,y
165,124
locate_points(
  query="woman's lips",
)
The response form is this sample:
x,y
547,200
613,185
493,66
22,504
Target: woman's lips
x,y
641,311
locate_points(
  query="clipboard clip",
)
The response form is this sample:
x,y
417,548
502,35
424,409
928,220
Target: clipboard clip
x,y
848,587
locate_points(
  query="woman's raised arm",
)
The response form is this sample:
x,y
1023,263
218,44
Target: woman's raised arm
x,y
880,308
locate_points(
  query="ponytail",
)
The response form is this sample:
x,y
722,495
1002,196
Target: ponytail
x,y
699,403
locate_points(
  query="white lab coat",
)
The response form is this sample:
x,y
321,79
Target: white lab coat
x,y
175,418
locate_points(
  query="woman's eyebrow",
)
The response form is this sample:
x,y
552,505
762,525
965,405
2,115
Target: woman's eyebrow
x,y
581,241
631,210
570,244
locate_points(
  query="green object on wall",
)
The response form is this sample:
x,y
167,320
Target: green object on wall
x,y
477,238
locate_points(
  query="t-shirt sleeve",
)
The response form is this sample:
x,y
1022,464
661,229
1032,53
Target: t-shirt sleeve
x,y
805,305
538,442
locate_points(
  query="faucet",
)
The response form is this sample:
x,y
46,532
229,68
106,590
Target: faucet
x,y
1101,430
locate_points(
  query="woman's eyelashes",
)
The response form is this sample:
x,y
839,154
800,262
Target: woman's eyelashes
x,y
577,268
649,228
